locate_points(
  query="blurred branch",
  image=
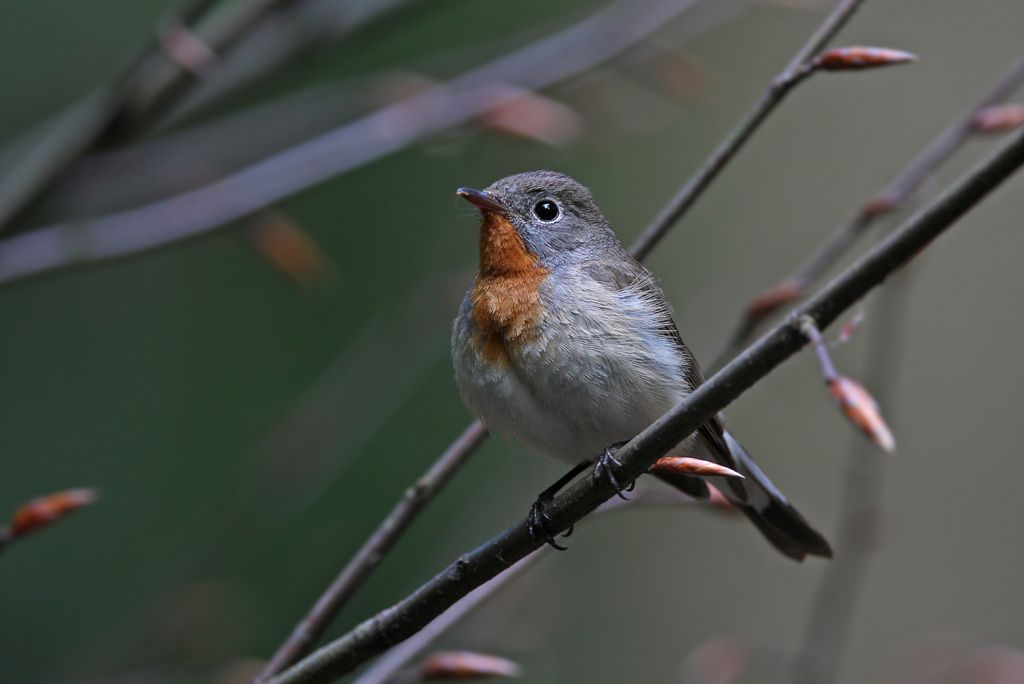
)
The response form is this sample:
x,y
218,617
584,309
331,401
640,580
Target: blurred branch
x,y
799,68
827,631
476,567
896,194
153,81
538,65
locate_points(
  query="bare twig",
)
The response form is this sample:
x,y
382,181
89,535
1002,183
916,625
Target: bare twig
x,y
799,68
397,658
397,623
894,196
372,552
826,633
538,65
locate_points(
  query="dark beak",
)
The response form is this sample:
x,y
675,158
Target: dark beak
x,y
481,200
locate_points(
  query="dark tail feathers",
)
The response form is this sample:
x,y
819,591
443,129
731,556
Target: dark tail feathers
x,y
769,510
763,504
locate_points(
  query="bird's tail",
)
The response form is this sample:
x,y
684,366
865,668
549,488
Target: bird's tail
x,y
761,502
772,513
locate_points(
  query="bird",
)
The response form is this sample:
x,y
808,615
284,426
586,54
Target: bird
x,y
565,343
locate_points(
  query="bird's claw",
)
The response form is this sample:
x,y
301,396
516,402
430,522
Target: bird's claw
x,y
538,520
605,467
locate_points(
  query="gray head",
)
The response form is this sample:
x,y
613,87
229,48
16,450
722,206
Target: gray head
x,y
553,213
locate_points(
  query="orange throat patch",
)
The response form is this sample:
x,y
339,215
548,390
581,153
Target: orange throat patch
x,y
506,299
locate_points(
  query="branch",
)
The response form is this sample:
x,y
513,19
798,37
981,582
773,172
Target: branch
x,y
476,567
397,658
826,632
154,80
894,196
555,58
369,556
799,68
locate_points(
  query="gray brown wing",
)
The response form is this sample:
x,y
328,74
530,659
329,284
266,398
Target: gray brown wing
x,y
626,272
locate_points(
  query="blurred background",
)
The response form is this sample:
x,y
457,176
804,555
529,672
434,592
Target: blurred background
x,y
251,402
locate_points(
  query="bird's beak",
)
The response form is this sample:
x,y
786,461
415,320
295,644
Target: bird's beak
x,y
481,200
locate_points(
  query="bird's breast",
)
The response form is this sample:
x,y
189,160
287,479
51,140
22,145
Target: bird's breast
x,y
506,300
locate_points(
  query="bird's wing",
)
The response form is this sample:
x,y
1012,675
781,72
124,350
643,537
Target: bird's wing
x,y
628,273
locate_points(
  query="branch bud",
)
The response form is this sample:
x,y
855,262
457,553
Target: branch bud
x,y
466,665
855,58
46,510
1000,118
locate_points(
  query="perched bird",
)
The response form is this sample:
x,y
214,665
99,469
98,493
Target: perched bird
x,y
565,343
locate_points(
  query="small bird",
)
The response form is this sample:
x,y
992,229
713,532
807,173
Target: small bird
x,y
566,343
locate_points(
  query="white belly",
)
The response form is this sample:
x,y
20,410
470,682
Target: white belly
x,y
596,374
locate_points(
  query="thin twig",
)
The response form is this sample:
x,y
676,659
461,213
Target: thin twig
x,y
312,626
555,58
388,666
797,70
894,196
472,569
316,621
826,633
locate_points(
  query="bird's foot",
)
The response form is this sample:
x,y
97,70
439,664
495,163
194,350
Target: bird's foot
x,y
605,467
538,522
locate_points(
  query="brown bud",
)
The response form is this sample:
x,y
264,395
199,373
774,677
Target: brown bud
x,y
862,410
771,300
291,251
44,511
859,57
1000,118
466,665
679,465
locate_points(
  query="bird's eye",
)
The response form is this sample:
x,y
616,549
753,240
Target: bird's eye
x,y
547,211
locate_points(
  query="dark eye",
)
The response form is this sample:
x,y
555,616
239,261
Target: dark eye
x,y
547,211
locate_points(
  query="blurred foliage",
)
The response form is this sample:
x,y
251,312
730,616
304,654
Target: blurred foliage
x,y
163,381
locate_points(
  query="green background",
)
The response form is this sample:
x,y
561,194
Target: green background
x,y
168,381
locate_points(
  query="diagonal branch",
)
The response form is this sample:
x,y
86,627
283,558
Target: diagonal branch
x,y
546,62
472,569
799,68
151,83
895,195
357,570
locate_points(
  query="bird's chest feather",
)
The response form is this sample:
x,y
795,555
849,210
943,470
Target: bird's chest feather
x,y
506,299
564,364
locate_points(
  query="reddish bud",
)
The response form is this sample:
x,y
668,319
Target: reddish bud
x,y
44,511
466,665
769,301
291,251
999,118
530,115
862,410
858,57
679,465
